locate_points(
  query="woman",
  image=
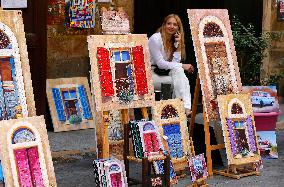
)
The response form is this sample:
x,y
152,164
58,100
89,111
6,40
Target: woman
x,y
167,49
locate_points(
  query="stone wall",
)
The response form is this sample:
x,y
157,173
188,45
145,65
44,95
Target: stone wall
x,y
274,62
67,48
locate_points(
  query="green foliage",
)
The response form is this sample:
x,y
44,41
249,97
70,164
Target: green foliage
x,y
75,119
273,79
250,50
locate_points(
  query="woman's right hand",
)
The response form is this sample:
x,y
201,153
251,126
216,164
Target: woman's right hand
x,y
188,67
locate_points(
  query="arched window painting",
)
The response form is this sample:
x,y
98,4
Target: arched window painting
x,y
115,175
238,128
27,159
169,112
9,89
110,172
151,138
217,62
170,118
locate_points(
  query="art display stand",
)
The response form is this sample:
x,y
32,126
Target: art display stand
x,y
146,163
232,171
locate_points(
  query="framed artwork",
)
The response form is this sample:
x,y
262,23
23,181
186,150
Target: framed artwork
x,y
280,10
152,146
169,116
197,167
25,152
267,144
239,131
16,91
70,103
114,21
216,56
263,98
110,172
120,71
82,13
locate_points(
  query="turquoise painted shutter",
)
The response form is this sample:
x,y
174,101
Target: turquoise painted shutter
x,y
58,104
84,102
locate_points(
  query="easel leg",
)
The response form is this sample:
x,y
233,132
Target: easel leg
x,y
125,121
105,146
208,143
194,106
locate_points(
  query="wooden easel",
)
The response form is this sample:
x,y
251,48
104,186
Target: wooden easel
x,y
232,171
209,147
106,122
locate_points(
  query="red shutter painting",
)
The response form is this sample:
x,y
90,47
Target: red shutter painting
x,y
105,72
139,70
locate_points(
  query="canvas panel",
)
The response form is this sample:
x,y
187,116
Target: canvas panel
x,y
70,103
169,116
113,89
216,56
13,48
239,131
25,150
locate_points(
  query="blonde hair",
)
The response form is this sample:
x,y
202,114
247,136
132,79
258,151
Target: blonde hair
x,y
168,43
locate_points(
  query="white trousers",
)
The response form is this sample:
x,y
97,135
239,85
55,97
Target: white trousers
x,y
181,86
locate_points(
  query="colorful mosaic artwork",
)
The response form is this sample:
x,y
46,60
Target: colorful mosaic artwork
x,y
114,22
120,71
239,129
170,118
147,142
16,91
216,57
197,167
109,172
82,13
70,103
25,153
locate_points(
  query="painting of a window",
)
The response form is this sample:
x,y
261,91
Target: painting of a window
x,y
124,83
69,101
25,153
217,61
170,118
121,71
238,128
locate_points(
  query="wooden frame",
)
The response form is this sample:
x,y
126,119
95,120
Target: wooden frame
x,y
81,86
11,24
179,163
100,52
237,120
216,56
10,160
